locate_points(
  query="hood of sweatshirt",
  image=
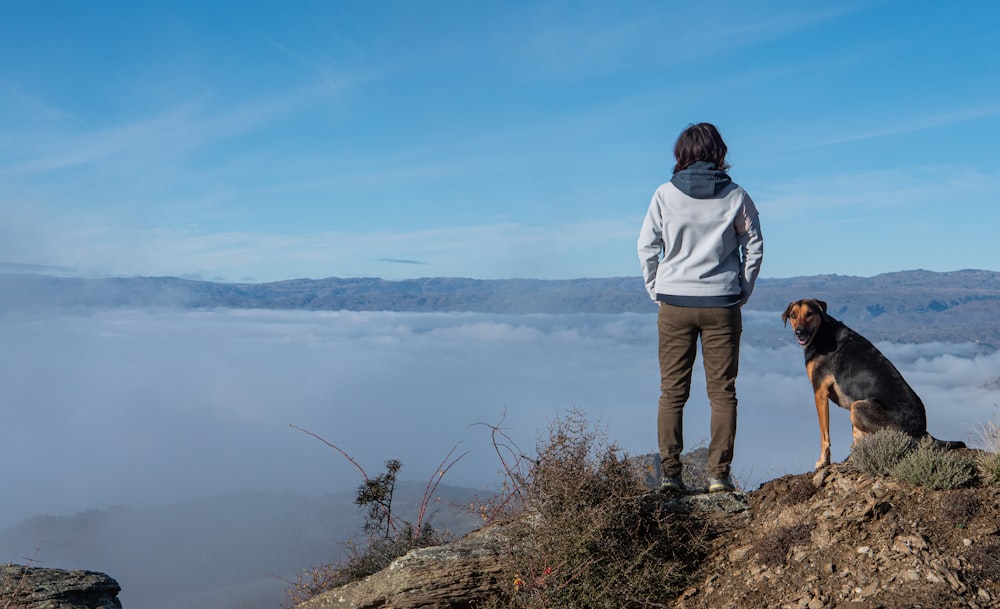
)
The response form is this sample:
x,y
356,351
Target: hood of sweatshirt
x,y
701,180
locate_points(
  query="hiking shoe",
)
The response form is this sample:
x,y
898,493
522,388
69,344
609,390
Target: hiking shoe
x,y
672,485
720,485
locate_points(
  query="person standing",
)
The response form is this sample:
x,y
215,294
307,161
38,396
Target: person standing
x,y
701,248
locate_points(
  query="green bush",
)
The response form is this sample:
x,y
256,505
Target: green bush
x,y
936,469
590,536
880,452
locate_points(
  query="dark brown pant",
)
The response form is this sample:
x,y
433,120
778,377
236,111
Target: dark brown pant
x,y
679,330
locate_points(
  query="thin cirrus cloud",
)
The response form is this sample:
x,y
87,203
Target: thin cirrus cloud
x,y
198,122
127,251
914,124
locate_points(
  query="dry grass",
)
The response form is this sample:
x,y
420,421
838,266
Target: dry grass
x,y
988,461
587,537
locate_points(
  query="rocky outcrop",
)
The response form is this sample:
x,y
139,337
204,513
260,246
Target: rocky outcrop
x,y
456,576
463,574
841,539
24,587
835,539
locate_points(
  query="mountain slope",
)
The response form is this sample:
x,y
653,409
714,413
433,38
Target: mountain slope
x,y
908,306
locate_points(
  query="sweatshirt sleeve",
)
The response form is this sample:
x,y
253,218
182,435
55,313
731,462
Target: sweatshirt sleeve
x,y
751,245
650,246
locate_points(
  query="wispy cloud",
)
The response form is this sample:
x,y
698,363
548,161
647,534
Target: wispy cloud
x,y
18,267
913,124
94,249
869,191
596,41
190,125
23,107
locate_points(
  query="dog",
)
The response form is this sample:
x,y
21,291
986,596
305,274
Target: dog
x,y
847,369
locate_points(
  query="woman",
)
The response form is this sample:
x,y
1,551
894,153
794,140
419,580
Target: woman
x,y
701,248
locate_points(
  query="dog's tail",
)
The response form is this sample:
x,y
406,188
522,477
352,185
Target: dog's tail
x,y
946,444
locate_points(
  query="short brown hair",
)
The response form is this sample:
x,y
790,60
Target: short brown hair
x,y
700,142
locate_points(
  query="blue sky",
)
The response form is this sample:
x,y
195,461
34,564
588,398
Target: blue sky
x,y
258,141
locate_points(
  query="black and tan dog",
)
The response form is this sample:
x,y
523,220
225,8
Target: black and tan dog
x,y
847,369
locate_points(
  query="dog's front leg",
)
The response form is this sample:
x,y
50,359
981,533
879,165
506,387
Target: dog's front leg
x,y
823,413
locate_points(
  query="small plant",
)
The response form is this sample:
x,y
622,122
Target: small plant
x,y
933,468
880,452
989,467
311,582
376,494
25,570
988,460
771,550
388,536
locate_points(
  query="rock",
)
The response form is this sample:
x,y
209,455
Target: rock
x,y
725,503
454,576
24,587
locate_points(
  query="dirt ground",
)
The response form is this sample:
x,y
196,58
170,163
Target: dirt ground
x,y
840,539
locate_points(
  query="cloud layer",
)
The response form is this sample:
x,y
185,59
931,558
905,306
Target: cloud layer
x,y
149,408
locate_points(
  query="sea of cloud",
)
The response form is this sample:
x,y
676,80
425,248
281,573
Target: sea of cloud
x,y
145,408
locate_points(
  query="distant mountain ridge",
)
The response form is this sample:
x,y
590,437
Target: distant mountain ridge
x,y
957,305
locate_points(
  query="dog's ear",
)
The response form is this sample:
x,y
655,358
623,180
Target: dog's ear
x,y
822,305
788,311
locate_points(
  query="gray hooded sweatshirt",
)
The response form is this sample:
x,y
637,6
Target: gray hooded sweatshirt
x,y
700,244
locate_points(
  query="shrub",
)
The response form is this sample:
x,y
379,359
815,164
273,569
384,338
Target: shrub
x,y
880,452
590,536
934,468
